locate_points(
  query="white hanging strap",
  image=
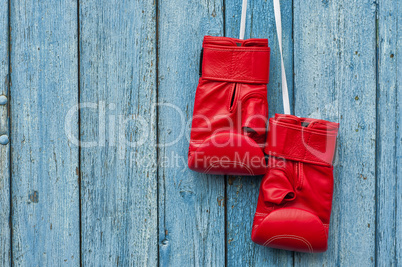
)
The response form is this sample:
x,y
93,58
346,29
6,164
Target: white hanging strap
x,y
285,94
243,19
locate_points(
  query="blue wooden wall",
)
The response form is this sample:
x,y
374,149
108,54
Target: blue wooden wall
x,y
120,76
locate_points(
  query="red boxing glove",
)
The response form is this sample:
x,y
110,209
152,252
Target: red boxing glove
x,y
231,109
294,205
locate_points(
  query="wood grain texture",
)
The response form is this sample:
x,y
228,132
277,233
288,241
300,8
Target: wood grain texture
x,y
335,79
5,239
191,205
118,90
388,132
133,66
45,191
398,139
242,192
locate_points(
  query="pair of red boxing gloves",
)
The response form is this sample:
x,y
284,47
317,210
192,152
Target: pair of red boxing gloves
x,y
229,136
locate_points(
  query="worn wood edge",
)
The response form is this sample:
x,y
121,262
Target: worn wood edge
x,y
5,204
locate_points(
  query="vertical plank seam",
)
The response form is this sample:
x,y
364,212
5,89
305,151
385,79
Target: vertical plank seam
x,y
376,131
224,17
9,133
338,46
79,129
157,127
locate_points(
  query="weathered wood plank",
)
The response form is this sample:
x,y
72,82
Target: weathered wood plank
x,y
242,192
191,205
5,240
118,82
335,79
45,191
388,144
398,139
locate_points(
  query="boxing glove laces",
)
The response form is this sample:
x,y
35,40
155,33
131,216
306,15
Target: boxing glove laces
x,y
294,205
230,114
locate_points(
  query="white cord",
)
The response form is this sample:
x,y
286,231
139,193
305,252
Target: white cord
x,y
277,11
285,93
243,19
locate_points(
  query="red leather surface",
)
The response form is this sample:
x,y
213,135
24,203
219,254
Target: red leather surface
x,y
230,117
240,154
293,141
248,63
294,204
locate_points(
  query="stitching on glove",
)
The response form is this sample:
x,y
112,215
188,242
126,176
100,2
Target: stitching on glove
x,y
295,237
231,64
253,95
296,174
301,173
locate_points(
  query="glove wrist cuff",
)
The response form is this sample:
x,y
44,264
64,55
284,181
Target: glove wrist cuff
x,y
245,64
302,143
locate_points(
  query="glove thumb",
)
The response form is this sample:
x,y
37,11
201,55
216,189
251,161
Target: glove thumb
x,y
276,187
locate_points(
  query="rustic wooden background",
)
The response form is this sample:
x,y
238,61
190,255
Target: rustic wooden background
x,y
110,204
